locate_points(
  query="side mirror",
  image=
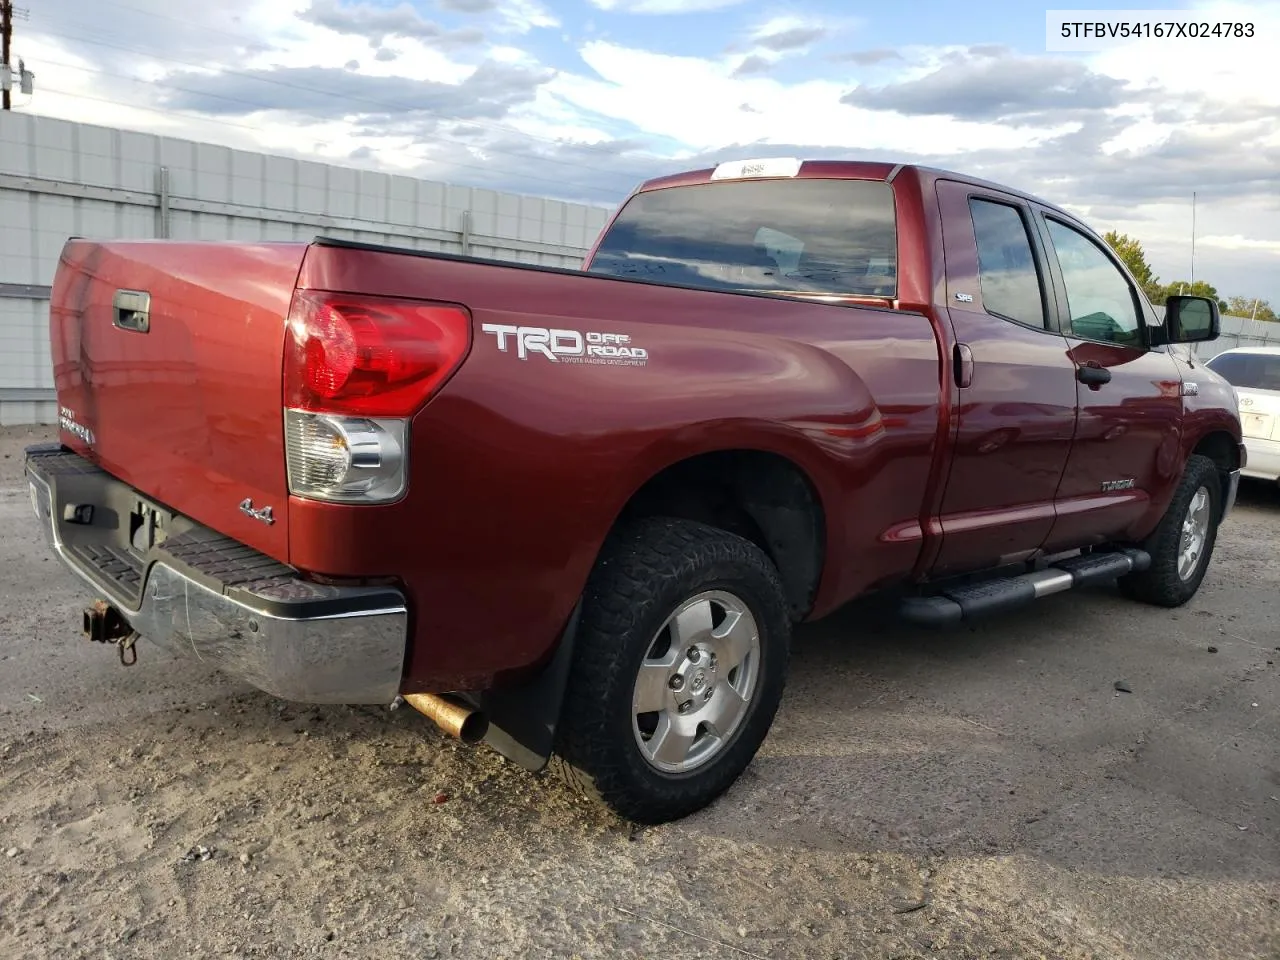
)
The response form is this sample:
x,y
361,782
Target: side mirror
x,y
1191,319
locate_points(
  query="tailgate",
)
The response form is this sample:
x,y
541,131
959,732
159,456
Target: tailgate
x,y
167,360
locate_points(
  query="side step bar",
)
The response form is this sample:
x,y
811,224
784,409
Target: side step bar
x,y
967,601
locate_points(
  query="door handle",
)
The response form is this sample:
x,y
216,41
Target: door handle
x,y
131,310
963,364
1093,376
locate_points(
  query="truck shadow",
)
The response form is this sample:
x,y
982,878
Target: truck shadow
x,y
1009,737
1259,493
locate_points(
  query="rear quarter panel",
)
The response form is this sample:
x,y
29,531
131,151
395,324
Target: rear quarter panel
x,y
520,466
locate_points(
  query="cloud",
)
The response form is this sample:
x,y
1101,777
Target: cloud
x,y
795,38
753,64
984,85
468,6
521,16
1123,137
376,23
1241,243
989,50
990,87
867,58
401,103
663,6
651,91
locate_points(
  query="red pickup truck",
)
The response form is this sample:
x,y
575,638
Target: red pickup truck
x,y
577,512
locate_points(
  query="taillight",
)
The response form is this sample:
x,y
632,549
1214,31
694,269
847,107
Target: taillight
x,y
346,459
355,370
370,356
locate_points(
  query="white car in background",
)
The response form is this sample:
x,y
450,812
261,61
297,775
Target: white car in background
x,y
1255,374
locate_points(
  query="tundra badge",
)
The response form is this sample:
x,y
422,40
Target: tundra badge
x,y
67,420
264,514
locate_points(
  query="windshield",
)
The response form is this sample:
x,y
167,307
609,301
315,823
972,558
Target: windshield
x,y
835,237
1248,371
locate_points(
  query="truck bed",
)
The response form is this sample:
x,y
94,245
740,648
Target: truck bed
x,y
190,414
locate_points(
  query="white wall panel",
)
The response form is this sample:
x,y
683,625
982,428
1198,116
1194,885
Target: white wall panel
x,y
61,179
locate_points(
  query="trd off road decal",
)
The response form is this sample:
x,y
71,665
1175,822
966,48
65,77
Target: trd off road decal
x,y
568,346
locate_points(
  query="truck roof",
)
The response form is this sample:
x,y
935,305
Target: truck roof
x,y
791,167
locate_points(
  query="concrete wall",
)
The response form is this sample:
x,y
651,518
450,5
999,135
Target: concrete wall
x,y
61,179
1241,332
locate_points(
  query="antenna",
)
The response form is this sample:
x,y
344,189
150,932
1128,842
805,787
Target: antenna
x,y
1193,239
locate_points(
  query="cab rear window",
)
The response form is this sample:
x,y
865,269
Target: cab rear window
x,y
833,237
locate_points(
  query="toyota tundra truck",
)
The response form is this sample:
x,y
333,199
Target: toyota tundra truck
x,y
575,514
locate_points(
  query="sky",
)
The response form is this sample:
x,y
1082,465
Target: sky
x,y
583,99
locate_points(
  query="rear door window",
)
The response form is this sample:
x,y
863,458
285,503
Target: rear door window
x,y
835,237
1007,264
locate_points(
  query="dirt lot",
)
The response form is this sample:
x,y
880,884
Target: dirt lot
x,y
985,793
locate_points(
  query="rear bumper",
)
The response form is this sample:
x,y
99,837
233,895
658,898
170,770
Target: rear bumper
x,y
1263,459
202,595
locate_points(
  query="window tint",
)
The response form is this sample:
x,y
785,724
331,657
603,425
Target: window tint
x,y
785,236
1098,295
1006,263
1249,371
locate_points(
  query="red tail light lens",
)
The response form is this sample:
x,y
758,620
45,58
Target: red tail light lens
x,y
370,356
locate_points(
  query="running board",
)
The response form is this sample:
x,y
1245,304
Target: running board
x,y
967,601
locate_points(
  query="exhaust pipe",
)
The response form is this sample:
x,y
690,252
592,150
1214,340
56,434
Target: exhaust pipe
x,y
452,716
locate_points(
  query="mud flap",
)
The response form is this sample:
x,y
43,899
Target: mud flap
x,y
523,719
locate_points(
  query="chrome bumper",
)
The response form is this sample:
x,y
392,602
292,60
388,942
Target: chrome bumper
x,y
1233,488
290,637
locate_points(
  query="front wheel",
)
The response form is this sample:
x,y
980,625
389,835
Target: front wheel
x,y
1181,545
679,668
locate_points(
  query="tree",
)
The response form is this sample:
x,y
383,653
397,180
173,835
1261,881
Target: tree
x,y
1198,289
1249,307
1135,258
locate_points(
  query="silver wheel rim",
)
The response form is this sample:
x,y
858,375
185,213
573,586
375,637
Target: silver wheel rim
x,y
1195,534
696,682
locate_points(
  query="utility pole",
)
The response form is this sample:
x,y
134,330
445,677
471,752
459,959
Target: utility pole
x,y
6,41
8,75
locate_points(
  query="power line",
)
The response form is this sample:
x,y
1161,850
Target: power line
x,y
354,98
185,21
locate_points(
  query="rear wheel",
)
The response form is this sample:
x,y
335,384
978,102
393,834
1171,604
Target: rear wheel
x,y
679,668
1182,544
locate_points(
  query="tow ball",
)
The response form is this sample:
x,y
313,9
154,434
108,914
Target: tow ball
x,y
103,623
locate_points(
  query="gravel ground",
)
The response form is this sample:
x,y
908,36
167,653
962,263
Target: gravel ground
x,y
982,793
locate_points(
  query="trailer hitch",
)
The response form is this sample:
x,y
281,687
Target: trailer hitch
x,y
103,623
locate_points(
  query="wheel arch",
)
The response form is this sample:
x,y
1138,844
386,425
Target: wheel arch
x,y
765,496
1225,452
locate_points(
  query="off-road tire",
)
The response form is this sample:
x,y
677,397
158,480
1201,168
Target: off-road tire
x,y
1160,583
645,571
